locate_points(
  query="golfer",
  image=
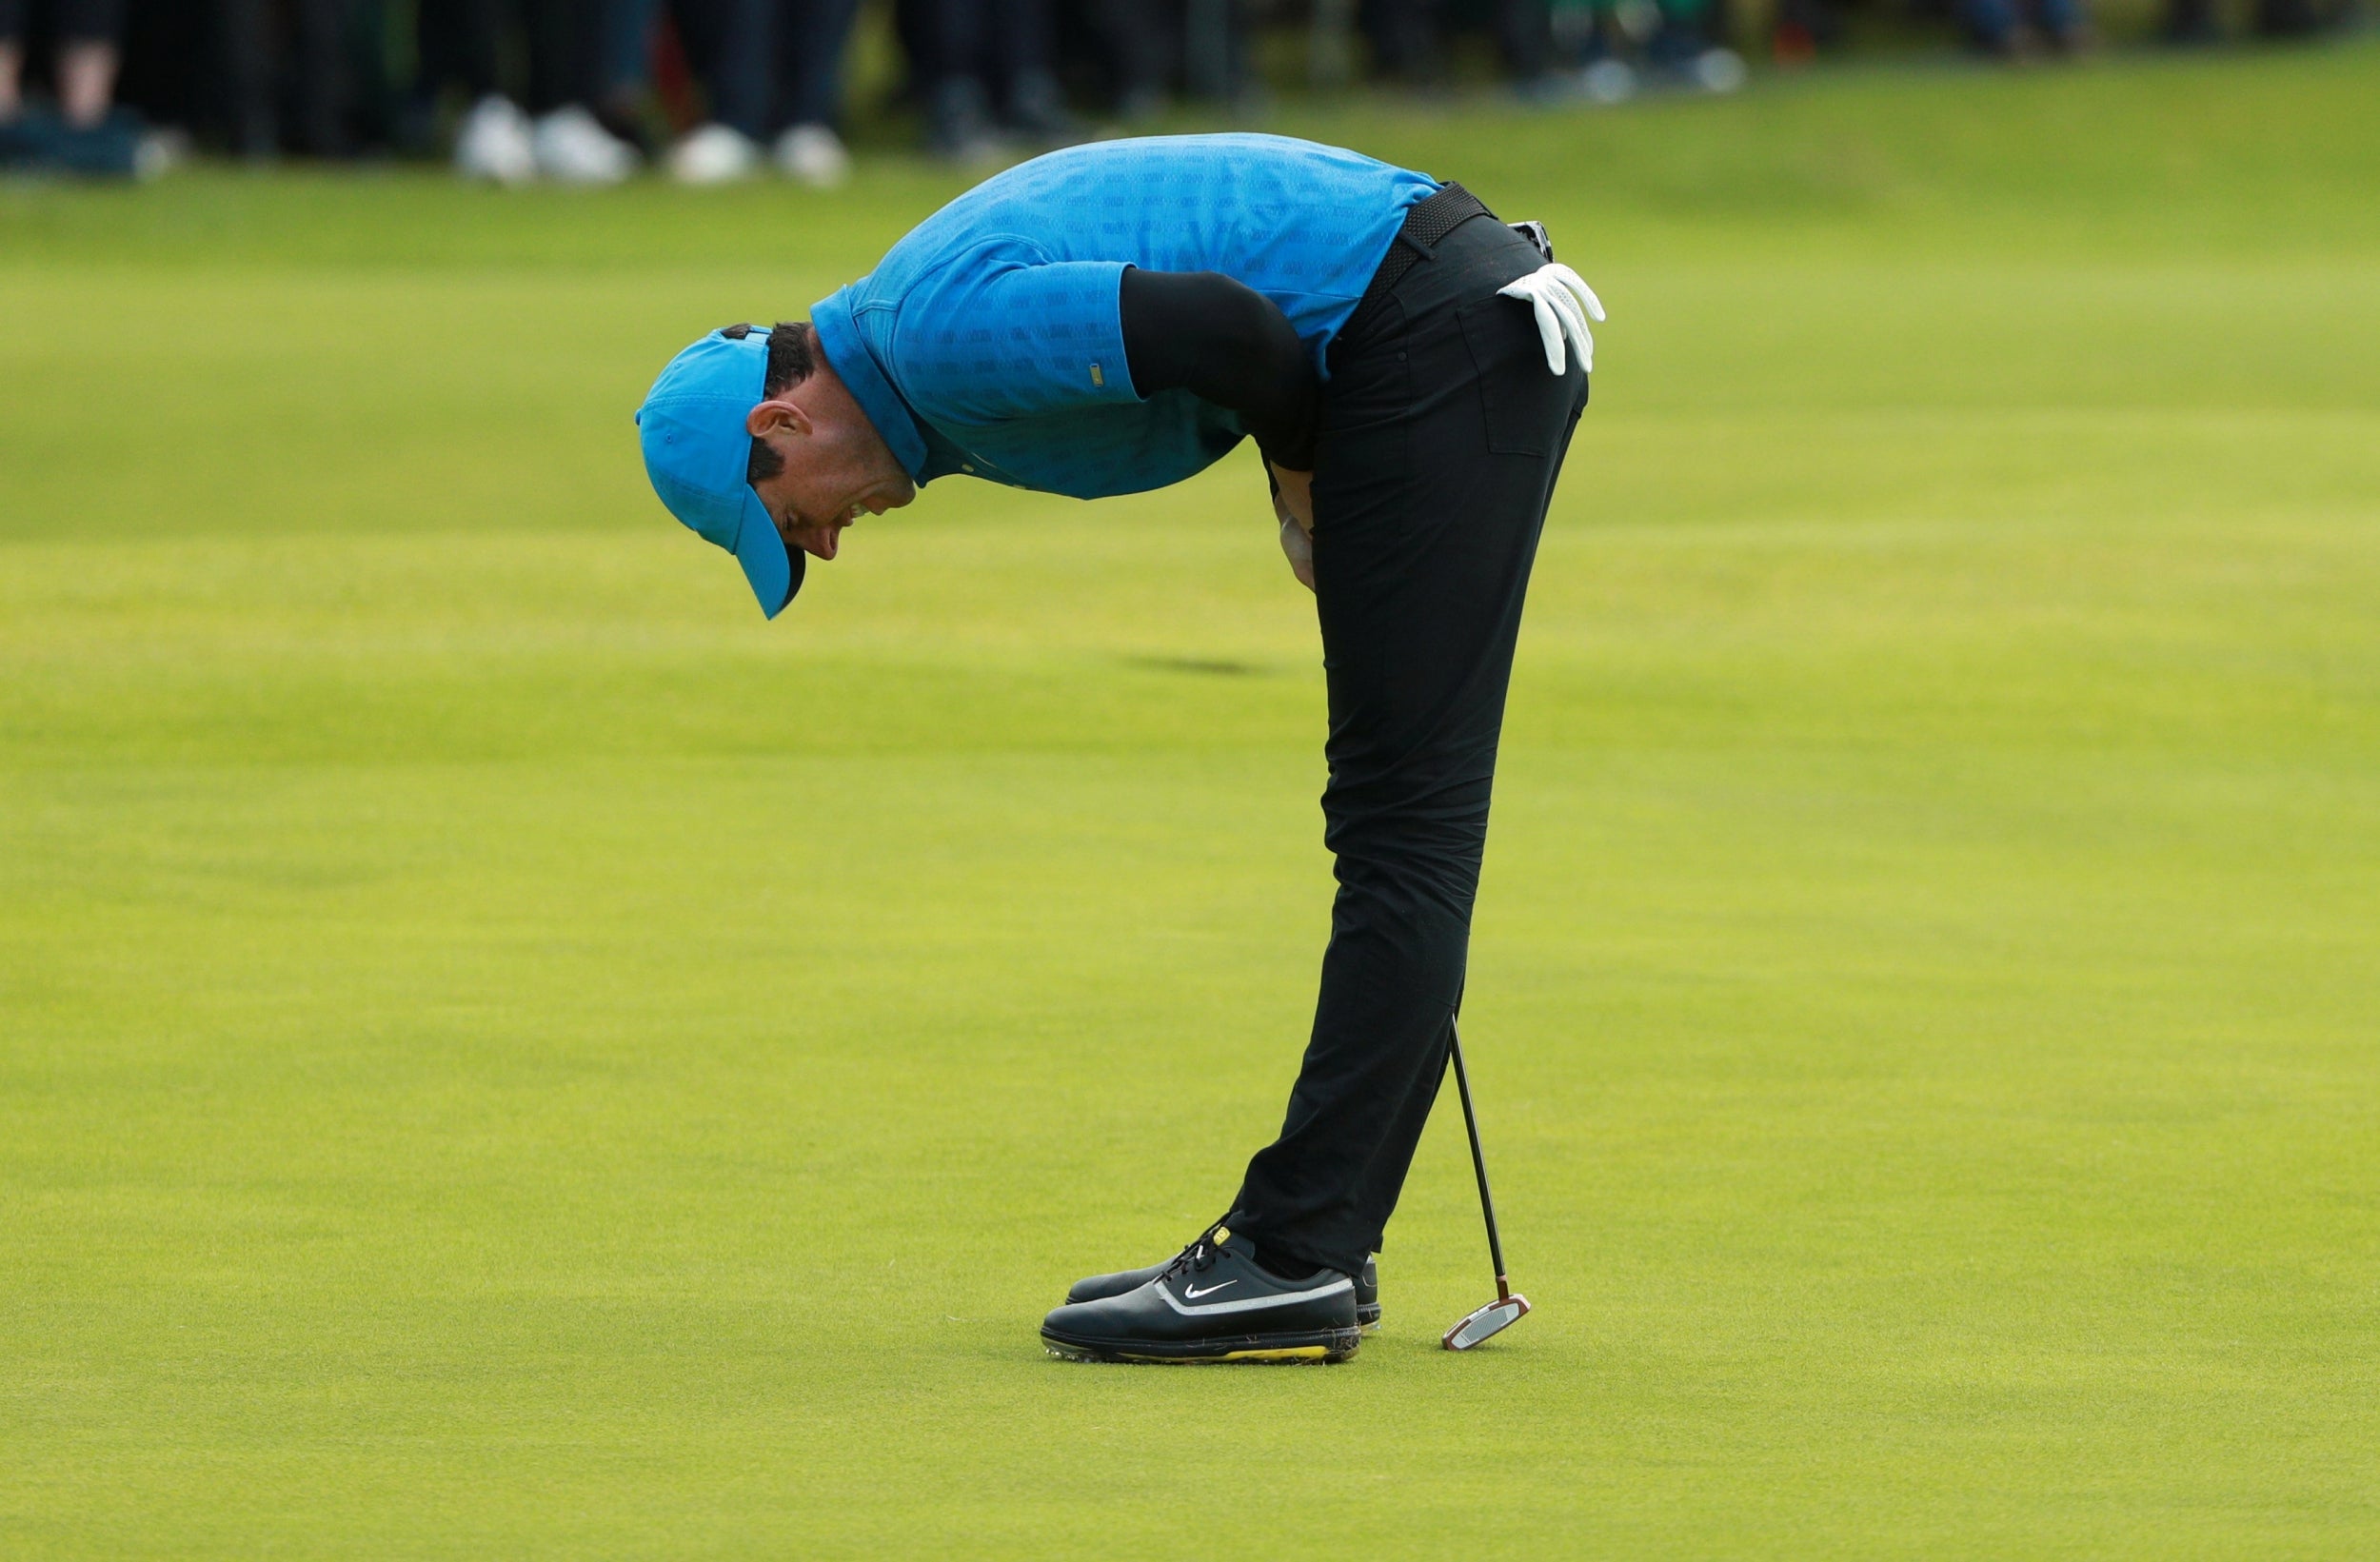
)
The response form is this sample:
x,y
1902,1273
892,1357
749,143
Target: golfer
x,y
1115,317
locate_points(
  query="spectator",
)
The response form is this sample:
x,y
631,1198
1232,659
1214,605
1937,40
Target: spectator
x,y
1405,42
89,134
811,36
321,83
770,73
1999,27
2288,19
732,46
1409,41
1801,29
1684,46
1215,39
960,51
461,42
1115,51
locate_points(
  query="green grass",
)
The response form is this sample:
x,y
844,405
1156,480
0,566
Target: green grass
x,y
504,1054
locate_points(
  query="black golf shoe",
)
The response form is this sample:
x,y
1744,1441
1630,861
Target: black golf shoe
x,y
1214,1302
1098,1286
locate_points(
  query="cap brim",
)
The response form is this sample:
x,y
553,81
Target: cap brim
x,y
774,569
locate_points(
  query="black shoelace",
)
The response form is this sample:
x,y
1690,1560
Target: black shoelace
x,y
1197,1257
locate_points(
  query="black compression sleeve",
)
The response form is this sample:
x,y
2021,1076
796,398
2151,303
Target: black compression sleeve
x,y
1223,341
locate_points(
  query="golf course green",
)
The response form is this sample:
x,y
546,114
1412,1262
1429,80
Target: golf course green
x,y
506,1053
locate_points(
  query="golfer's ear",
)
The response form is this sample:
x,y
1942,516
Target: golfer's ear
x,y
776,418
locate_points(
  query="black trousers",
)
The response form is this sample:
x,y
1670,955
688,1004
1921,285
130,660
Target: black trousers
x,y
1442,432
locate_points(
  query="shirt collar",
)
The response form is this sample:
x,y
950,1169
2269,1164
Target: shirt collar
x,y
848,351
943,457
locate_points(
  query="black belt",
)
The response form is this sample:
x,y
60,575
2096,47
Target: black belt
x,y
1426,223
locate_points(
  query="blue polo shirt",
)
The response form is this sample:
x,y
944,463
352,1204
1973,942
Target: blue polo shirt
x,y
988,341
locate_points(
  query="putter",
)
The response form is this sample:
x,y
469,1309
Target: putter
x,y
1507,1308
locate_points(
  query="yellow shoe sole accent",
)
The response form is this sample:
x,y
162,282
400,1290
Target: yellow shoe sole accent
x,y
1279,1355
1289,1356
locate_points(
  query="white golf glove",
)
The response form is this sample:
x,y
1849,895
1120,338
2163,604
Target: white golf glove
x,y
1564,304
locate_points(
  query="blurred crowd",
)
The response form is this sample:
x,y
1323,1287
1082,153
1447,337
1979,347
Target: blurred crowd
x,y
710,91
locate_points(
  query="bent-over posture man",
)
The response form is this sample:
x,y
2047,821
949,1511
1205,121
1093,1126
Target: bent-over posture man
x,y
1111,319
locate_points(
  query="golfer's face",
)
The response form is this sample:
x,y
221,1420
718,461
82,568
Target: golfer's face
x,y
825,490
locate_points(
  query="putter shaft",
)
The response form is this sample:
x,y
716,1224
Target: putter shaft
x,y
1479,1164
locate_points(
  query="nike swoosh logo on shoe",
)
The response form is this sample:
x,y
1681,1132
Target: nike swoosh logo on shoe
x,y
1191,1293
1251,1304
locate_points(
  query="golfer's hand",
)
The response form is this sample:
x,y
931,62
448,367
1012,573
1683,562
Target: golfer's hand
x,y
1298,548
1293,506
1564,304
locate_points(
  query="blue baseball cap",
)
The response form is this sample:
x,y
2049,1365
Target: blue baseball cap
x,y
696,450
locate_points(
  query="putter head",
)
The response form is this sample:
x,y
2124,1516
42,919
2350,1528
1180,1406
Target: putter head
x,y
1486,1323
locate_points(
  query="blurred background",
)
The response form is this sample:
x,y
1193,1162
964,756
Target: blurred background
x,y
714,92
